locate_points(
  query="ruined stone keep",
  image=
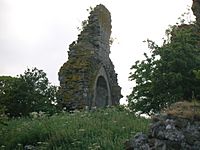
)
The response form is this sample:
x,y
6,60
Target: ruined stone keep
x,y
88,77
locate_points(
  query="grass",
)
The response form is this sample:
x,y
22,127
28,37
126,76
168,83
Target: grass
x,y
102,129
185,109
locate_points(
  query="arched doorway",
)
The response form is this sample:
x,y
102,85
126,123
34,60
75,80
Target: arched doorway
x,y
102,93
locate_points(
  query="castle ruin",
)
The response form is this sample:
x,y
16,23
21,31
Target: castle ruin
x,y
88,77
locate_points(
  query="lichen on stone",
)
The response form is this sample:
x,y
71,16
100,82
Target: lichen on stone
x,y
88,60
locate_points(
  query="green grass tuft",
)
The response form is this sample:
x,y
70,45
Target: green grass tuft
x,y
102,129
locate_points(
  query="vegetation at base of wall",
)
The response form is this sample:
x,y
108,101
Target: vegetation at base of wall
x,y
105,128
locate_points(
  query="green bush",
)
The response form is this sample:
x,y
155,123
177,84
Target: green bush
x,y
169,73
30,92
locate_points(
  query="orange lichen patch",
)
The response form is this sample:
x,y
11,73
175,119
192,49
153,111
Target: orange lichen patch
x,y
184,109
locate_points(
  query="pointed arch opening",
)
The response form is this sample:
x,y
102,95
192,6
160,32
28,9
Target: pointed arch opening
x,y
102,93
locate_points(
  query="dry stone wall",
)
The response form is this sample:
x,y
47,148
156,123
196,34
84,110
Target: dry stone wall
x,y
88,77
168,133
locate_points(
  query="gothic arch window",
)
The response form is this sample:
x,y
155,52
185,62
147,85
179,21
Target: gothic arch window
x,y
101,92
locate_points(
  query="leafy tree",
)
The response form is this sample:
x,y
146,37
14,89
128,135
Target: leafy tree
x,y
8,87
39,93
167,75
27,93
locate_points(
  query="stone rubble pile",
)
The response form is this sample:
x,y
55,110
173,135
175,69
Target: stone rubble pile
x,y
168,133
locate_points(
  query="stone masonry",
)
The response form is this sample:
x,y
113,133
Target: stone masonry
x,y
88,77
196,10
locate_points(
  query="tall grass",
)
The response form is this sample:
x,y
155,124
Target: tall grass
x,y
102,129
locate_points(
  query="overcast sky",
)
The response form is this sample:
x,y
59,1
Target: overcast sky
x,y
37,33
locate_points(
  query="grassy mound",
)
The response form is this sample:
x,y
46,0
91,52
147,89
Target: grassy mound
x,y
185,109
102,129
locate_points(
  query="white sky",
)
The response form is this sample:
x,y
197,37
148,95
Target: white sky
x,y
37,33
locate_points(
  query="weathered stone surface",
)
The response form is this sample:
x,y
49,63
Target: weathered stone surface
x,y
88,77
138,142
196,10
165,135
176,128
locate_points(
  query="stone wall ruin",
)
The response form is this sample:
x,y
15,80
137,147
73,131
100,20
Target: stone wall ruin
x,y
88,77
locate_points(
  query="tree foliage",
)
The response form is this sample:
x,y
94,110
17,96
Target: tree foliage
x,y
167,74
27,93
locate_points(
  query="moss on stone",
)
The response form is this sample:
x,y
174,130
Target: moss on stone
x,y
86,56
